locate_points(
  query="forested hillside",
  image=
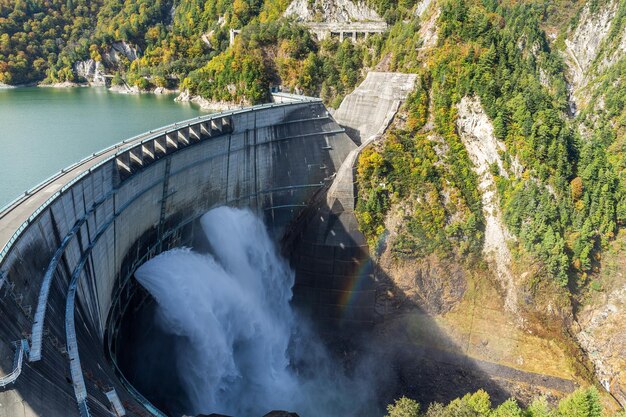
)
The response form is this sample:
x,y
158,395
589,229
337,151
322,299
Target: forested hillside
x,y
558,169
567,203
183,44
557,176
40,39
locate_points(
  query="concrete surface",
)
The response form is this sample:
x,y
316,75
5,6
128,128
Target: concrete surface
x,y
330,252
119,208
368,110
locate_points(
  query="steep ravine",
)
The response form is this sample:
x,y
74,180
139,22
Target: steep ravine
x,y
476,132
451,315
583,44
593,46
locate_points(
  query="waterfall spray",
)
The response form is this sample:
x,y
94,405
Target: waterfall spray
x,y
239,336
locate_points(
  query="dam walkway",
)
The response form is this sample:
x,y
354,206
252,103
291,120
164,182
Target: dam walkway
x,y
17,215
70,246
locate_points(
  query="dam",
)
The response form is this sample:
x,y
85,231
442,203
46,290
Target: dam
x,y
71,249
72,244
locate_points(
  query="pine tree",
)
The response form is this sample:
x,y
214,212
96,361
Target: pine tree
x,y
581,403
403,407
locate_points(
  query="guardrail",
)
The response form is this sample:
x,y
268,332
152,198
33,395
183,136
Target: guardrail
x,y
21,349
121,147
116,150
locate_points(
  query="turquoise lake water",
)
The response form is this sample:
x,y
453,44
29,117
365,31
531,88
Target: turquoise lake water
x,y
43,130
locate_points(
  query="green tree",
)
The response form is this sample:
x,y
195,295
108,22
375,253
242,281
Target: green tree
x,y
509,408
403,407
540,408
584,402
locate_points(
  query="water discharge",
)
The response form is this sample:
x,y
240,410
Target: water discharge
x,y
243,351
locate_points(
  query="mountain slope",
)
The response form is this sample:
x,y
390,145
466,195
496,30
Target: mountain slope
x,y
564,205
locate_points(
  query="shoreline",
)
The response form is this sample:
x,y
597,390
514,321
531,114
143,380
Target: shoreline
x,y
181,96
208,105
64,84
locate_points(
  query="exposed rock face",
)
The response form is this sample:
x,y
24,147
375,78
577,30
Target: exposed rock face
x,y
429,31
603,337
91,71
476,132
439,286
435,285
601,330
331,11
206,38
584,44
118,50
616,52
422,6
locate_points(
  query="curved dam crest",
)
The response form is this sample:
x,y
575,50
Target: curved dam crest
x,y
75,241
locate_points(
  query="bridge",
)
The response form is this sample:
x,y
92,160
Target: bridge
x,y
351,30
70,245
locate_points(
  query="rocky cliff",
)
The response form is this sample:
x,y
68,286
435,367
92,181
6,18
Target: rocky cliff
x,y
484,149
585,40
90,70
594,44
595,52
331,11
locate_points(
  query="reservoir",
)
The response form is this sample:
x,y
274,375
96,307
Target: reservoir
x,y
43,130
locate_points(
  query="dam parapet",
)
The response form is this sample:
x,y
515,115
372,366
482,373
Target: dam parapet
x,y
71,245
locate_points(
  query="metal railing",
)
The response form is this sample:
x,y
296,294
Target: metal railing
x,y
21,349
121,147
83,409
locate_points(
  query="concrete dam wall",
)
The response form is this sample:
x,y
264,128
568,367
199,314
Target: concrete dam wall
x,y
368,110
72,244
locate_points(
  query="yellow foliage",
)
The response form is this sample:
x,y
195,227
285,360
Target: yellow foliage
x,y
240,7
577,188
369,161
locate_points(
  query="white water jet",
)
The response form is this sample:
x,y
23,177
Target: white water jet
x,y
240,335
